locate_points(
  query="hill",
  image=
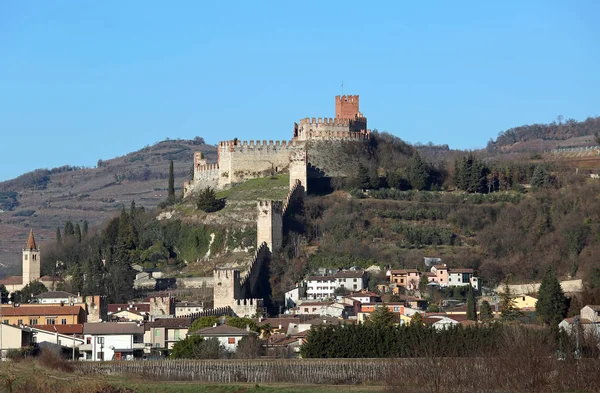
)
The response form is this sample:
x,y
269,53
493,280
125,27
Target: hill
x,y
44,199
542,137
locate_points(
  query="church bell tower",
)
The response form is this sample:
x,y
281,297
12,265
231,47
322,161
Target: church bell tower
x,y
31,261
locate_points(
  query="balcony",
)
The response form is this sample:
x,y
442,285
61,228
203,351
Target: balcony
x,y
85,348
138,345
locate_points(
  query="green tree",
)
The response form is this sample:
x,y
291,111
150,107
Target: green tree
x,y
171,182
249,347
69,229
30,290
540,178
84,229
551,306
382,316
3,294
203,322
186,349
485,311
471,305
207,201
397,180
507,302
418,172
241,323
58,236
77,232
364,180
416,319
470,174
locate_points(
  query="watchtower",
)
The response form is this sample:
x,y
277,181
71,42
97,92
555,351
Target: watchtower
x,y
269,224
226,287
346,107
31,261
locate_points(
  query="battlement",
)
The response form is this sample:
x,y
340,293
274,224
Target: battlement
x,y
226,274
272,206
347,107
315,121
225,146
258,254
249,302
207,167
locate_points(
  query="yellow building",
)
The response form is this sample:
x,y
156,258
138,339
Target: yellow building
x,y
525,302
43,314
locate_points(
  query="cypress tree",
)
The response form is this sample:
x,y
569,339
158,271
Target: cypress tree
x,y
171,182
551,306
364,180
58,236
471,305
84,229
77,232
69,229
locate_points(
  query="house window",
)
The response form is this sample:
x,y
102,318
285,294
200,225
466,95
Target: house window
x,y
396,309
88,340
26,256
6,321
33,321
63,321
100,355
20,322
230,340
355,286
176,334
305,309
156,333
50,321
355,280
100,340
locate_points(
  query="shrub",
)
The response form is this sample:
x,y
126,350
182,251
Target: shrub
x,y
207,201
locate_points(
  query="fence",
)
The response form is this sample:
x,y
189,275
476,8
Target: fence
x,y
318,371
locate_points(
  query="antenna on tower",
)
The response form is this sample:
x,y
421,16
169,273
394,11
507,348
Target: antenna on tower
x,y
342,87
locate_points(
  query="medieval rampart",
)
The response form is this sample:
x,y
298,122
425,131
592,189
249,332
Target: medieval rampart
x,y
332,129
213,312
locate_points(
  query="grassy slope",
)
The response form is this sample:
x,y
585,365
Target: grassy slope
x,y
29,376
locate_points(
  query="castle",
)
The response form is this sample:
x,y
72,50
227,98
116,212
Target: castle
x,y
242,160
239,161
31,269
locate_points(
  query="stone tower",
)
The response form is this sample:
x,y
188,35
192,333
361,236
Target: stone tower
x,y
31,261
346,107
269,224
226,287
298,169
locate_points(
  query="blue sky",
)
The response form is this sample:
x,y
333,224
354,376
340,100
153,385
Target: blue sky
x,y
81,81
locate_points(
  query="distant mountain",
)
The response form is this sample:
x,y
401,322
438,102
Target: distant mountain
x,y
540,137
45,198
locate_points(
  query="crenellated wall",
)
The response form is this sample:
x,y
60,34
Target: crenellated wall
x,y
298,169
242,160
332,129
226,286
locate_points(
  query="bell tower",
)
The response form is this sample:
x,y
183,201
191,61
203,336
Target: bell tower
x,y
31,261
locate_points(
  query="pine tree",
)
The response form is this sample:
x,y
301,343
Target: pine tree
x,y
471,305
171,182
77,232
540,177
418,172
364,180
485,311
76,279
207,201
509,311
416,319
382,316
58,236
551,306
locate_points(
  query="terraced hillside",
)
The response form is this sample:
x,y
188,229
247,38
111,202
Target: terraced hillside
x,y
45,199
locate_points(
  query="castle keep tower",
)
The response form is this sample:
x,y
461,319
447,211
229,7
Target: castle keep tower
x,y
31,261
269,224
346,107
226,287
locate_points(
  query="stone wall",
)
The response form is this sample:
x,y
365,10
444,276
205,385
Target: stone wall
x,y
347,107
226,287
332,129
298,167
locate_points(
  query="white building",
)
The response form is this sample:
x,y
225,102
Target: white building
x,y
112,341
323,287
184,309
293,296
55,339
228,336
56,297
462,277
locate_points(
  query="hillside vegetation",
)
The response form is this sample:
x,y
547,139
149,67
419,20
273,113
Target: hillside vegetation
x,y
45,198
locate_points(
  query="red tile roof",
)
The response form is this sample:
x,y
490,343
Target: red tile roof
x,y
12,280
62,329
104,328
35,310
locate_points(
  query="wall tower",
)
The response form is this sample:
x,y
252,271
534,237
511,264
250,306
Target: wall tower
x,y
346,107
298,169
226,287
31,261
269,224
